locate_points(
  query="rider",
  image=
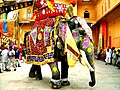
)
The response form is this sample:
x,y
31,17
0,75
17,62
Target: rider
x,y
69,12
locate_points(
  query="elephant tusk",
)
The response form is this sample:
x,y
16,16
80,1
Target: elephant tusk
x,y
84,60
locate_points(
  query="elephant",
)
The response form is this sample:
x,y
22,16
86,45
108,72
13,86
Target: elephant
x,y
84,43
49,27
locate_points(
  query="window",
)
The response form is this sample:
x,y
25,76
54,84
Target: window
x,y
86,14
29,13
86,0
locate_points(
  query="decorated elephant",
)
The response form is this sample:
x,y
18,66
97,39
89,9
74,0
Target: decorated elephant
x,y
66,39
68,52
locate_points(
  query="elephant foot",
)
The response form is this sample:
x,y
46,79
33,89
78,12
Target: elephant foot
x,y
39,77
65,83
32,75
55,85
91,84
0,71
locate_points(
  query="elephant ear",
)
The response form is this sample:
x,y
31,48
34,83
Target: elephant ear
x,y
71,48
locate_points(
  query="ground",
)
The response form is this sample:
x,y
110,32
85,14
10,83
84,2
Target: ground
x,y
107,78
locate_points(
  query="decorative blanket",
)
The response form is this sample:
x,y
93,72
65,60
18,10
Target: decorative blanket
x,y
41,41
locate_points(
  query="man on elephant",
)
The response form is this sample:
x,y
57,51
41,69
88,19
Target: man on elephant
x,y
69,12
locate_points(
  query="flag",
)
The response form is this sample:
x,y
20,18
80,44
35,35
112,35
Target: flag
x,y
50,4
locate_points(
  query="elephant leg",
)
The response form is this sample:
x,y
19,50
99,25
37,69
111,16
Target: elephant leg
x,y
90,58
91,67
64,71
55,82
87,46
35,71
0,70
32,71
38,72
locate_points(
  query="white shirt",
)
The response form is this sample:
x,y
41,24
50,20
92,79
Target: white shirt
x,y
12,52
5,55
108,54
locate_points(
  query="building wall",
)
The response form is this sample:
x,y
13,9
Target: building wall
x,y
99,7
103,6
90,7
113,3
109,28
113,31
23,13
23,29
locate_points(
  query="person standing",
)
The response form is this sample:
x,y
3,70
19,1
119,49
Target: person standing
x,y
118,59
108,55
114,57
5,61
17,56
112,49
0,61
20,50
23,53
12,57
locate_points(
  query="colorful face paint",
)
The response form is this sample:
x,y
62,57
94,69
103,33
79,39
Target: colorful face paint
x,y
54,63
91,44
89,50
85,44
64,32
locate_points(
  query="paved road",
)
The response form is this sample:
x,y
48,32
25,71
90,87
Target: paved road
x,y
107,78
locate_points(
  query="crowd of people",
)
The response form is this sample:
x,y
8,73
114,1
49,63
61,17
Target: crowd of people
x,y
11,56
110,56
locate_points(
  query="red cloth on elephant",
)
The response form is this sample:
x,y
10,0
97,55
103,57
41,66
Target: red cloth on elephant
x,y
40,48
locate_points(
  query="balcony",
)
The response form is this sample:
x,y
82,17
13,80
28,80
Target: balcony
x,y
10,5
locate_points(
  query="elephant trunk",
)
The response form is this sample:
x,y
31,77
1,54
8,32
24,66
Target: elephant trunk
x,y
92,82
